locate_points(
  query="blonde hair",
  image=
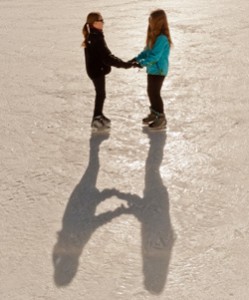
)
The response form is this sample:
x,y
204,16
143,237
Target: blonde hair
x,y
91,18
158,25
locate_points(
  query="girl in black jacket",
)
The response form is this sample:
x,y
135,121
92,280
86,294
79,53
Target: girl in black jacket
x,y
99,60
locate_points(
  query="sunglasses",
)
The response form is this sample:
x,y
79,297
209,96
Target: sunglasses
x,y
102,21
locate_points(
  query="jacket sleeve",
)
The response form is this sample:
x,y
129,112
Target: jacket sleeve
x,y
108,58
142,55
150,57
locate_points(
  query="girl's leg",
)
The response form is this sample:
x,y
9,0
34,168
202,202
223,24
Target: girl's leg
x,y
154,85
99,84
99,120
157,116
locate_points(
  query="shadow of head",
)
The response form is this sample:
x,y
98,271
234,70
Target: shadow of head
x,y
155,269
65,266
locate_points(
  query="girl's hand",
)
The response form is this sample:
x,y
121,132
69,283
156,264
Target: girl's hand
x,y
136,65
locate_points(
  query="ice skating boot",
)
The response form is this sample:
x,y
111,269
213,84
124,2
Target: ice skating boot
x,y
159,123
150,118
100,122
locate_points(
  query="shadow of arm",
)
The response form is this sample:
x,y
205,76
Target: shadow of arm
x,y
107,217
130,198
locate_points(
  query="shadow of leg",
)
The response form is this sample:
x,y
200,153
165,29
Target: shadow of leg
x,y
157,232
78,223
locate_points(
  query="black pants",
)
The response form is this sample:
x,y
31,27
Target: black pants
x,y
99,84
154,85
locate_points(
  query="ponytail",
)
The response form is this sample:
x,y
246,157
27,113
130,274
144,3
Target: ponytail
x,y
91,18
85,32
88,28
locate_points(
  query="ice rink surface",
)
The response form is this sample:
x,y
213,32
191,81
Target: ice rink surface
x,y
129,215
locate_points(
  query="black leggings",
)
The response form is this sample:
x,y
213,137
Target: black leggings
x,y
154,85
99,84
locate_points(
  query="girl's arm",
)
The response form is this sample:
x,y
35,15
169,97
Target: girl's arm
x,y
108,58
152,56
142,54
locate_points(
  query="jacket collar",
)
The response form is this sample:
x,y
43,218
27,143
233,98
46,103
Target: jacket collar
x,y
94,30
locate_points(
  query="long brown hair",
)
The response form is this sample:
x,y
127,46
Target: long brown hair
x,y
158,24
91,18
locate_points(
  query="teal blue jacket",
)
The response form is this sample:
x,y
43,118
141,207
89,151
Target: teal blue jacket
x,y
156,59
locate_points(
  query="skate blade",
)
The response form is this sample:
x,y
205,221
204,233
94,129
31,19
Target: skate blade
x,y
157,129
101,130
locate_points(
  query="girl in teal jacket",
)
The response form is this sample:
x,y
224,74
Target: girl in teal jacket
x,y
156,60
155,57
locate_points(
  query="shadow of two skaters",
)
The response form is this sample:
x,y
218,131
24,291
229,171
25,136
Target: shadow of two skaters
x,y
152,210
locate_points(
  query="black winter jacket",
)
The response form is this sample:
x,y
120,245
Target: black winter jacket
x,y
98,57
